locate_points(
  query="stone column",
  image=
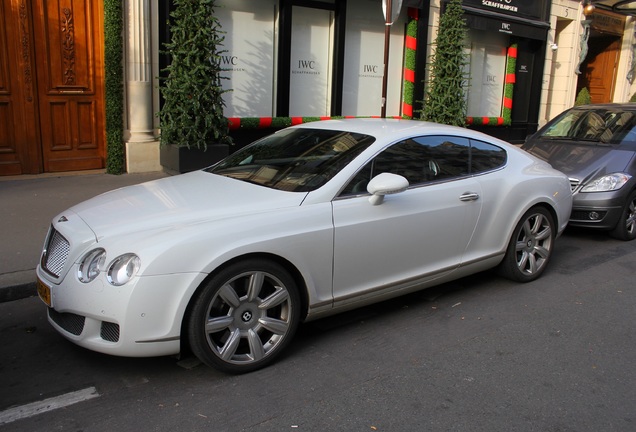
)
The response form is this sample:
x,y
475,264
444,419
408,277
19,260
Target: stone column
x,y
139,91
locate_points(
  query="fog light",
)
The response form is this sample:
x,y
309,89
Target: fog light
x,y
594,216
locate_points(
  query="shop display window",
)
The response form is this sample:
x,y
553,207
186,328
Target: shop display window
x,y
250,56
364,60
487,73
311,62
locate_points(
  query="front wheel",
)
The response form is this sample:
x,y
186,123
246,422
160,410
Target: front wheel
x,y
626,227
530,247
244,317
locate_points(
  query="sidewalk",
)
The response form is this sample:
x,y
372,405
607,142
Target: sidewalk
x,y
28,204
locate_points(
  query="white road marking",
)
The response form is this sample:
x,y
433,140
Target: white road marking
x,y
35,408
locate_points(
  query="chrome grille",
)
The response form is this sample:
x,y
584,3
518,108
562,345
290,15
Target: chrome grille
x,y
109,331
55,253
70,322
574,184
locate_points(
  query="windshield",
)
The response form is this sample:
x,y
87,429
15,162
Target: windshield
x,y
598,125
297,160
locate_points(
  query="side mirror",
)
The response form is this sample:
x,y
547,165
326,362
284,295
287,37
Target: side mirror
x,y
385,184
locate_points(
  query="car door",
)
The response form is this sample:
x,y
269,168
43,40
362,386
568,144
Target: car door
x,y
419,234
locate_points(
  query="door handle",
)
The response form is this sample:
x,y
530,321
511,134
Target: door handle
x,y
469,196
71,91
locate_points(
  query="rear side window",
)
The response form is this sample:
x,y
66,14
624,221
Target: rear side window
x,y
486,157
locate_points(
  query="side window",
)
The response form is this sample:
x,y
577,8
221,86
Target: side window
x,y
449,155
425,159
419,160
358,184
486,157
408,159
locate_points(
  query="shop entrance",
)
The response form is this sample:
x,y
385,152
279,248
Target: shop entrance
x,y
598,71
51,86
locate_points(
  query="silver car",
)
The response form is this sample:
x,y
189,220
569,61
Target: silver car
x,y
311,221
595,145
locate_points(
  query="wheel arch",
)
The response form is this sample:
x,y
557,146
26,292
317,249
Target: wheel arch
x,y
286,264
550,208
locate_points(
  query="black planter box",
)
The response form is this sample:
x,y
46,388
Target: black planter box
x,y
177,160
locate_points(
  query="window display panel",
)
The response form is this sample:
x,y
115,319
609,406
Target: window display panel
x,y
487,73
364,60
311,62
250,34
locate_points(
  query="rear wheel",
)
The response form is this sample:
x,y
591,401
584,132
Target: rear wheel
x,y
530,247
626,227
244,317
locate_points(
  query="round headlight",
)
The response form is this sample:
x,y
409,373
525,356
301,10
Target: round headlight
x,y
607,183
123,269
90,265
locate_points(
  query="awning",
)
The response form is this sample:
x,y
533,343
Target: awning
x,y
624,7
485,20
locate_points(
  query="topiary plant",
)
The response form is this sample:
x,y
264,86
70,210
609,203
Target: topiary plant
x,y
583,98
445,99
192,114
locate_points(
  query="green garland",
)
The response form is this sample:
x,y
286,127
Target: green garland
x,y
235,123
410,57
114,98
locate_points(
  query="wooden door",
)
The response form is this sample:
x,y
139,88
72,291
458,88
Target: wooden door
x,y
599,69
51,86
19,133
69,56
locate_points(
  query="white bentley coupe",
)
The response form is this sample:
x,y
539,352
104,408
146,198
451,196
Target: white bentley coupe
x,y
311,221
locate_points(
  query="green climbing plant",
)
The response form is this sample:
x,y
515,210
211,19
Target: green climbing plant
x,y
445,94
114,87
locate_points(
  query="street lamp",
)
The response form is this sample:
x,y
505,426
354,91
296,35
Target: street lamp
x,y
391,10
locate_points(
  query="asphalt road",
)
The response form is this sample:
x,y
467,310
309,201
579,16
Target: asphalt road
x,y
479,354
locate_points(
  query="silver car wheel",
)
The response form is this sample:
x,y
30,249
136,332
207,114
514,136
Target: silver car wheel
x,y
631,219
534,244
626,227
530,247
243,320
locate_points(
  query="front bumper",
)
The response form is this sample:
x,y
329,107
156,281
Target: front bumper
x,y
140,319
599,210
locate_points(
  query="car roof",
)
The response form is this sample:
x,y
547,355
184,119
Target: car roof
x,y
628,106
389,128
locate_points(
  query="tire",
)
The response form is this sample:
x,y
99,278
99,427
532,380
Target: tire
x,y
530,246
244,317
625,229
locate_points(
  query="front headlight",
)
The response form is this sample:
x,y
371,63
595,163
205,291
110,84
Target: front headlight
x,y
122,269
90,265
607,183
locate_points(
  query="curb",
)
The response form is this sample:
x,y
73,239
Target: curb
x,y
17,292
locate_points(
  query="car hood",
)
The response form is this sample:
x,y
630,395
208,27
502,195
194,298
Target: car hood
x,y
178,201
580,160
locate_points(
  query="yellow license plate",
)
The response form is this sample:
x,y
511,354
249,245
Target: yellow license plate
x,y
44,292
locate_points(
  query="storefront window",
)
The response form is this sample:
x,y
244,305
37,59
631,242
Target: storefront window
x,y
487,73
250,31
311,62
364,60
